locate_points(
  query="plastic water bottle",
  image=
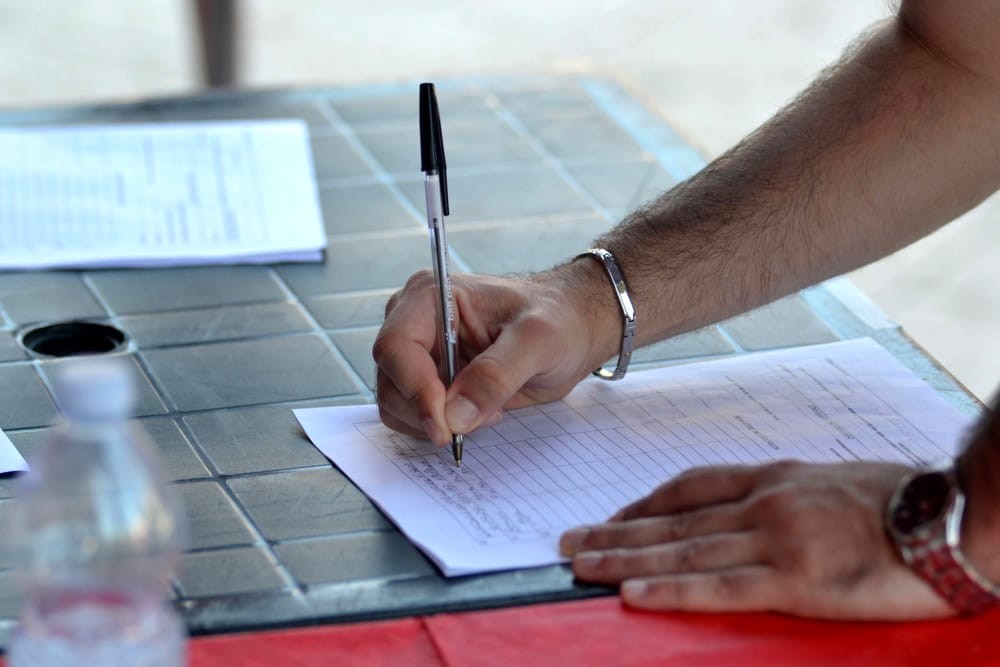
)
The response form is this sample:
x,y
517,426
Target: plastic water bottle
x,y
97,533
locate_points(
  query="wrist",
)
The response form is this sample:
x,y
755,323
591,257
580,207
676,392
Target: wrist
x,y
925,518
583,285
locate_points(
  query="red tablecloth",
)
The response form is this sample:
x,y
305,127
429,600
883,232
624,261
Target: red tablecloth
x,y
602,632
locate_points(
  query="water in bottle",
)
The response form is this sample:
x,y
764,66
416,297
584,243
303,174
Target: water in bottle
x,y
96,533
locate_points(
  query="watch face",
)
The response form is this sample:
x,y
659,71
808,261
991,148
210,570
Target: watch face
x,y
923,502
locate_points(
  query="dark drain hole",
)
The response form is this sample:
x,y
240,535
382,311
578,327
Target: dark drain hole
x,y
70,339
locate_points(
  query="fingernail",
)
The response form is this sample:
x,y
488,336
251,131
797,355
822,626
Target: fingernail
x,y
461,414
634,588
588,560
572,540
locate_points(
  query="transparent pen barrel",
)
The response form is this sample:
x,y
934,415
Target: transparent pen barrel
x,y
445,303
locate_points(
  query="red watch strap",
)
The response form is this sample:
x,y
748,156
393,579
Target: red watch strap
x,y
947,576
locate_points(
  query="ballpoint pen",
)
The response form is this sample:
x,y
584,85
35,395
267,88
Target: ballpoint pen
x,y
432,163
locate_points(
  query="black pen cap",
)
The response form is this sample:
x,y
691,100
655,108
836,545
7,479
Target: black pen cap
x,y
432,140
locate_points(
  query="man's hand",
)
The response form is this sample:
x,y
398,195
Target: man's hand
x,y
802,539
521,341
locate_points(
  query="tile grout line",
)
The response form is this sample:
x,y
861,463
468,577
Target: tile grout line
x,y
516,124
177,417
133,349
174,415
359,382
259,540
384,177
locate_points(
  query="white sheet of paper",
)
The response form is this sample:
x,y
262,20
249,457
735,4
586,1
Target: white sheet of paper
x,y
545,469
158,195
10,459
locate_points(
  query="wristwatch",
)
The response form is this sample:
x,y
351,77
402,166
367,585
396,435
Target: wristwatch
x,y
924,519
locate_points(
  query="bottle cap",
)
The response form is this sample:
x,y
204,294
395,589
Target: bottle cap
x,y
94,389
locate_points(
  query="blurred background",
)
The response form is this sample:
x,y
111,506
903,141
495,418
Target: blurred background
x,y
714,69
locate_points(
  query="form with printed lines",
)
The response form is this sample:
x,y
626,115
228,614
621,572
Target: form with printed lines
x,y
545,469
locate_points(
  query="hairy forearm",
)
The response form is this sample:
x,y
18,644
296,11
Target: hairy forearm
x,y
888,145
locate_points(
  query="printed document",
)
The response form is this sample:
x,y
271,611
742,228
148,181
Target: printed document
x,y
158,195
545,469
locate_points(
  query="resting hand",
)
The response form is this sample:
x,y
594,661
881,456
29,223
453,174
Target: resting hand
x,y
802,539
521,341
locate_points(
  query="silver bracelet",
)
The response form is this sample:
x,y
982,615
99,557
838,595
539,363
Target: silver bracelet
x,y
628,312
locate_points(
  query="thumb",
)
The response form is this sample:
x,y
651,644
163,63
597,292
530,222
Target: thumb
x,y
521,351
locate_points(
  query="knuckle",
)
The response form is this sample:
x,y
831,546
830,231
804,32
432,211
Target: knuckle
x,y
777,503
799,538
722,476
590,542
690,473
676,527
606,563
633,510
675,590
419,280
600,538
729,586
777,471
690,555
391,302
804,559
382,347
614,561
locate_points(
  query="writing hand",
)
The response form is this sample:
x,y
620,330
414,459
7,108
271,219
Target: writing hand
x,y
802,539
521,341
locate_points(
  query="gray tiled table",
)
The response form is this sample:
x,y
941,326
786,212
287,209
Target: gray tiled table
x,y
538,167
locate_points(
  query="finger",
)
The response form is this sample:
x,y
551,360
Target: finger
x,y
400,415
420,282
391,402
764,588
698,554
691,490
402,427
412,390
390,419
748,588
486,384
391,302
654,530
396,413
407,385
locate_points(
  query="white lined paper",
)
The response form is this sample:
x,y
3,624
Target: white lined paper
x,y
548,468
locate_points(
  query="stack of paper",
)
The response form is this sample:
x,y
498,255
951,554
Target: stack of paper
x,y
157,195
